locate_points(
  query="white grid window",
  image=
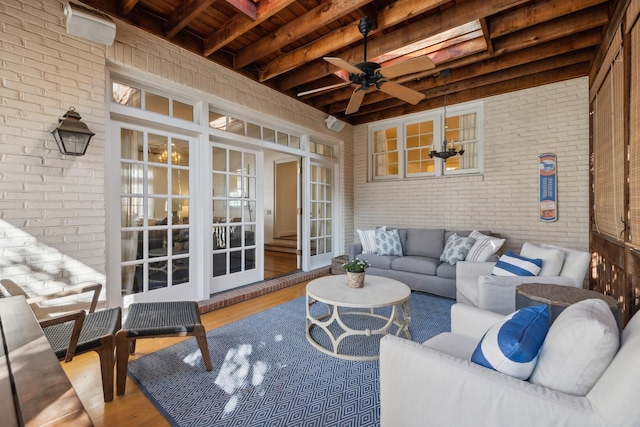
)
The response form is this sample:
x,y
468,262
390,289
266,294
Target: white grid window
x,y
401,148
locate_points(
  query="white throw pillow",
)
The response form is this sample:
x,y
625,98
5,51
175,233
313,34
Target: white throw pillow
x,y
484,247
368,240
579,347
552,259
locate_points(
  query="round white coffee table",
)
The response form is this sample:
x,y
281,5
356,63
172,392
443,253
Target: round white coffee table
x,y
337,295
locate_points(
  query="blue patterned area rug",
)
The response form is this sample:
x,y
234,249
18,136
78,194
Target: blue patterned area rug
x,y
265,372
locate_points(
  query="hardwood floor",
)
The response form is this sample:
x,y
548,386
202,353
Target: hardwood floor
x,y
133,408
278,263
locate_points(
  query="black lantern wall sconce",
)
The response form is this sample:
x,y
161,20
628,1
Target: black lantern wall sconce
x,y
72,135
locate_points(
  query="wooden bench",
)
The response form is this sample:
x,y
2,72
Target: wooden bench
x,y
34,390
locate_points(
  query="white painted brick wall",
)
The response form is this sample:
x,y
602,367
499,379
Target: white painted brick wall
x,y
52,207
518,127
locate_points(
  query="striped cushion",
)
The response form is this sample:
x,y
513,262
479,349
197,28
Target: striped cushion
x,y
511,264
484,247
512,345
368,240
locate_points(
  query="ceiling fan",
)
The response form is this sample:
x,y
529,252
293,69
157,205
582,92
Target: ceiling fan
x,y
373,76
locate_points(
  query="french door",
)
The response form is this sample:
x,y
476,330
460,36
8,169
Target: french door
x,y
154,199
236,217
321,221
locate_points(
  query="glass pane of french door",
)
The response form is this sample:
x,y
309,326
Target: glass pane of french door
x,y
154,212
321,214
234,228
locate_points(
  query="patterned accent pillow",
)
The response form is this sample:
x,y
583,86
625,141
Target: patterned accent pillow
x,y
388,242
511,264
512,345
484,247
456,248
368,240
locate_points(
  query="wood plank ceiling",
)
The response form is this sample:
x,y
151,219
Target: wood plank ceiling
x,y
489,46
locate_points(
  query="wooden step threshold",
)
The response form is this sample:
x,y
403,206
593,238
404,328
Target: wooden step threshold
x,y
247,292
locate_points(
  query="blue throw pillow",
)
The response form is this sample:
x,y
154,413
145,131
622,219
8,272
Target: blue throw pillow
x,y
511,264
512,345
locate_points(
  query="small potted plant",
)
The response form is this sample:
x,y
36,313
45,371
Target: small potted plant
x,y
355,272
179,241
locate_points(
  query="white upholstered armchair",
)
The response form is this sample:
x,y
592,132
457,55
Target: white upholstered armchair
x,y
476,286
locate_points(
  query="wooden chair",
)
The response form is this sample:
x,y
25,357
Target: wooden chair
x,y
77,331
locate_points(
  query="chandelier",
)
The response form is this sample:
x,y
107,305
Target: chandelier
x,y
446,151
175,157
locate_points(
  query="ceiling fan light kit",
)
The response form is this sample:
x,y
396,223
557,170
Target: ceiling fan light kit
x,y
369,76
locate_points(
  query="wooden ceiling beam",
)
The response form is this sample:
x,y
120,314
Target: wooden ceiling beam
x,y
240,24
485,32
315,18
246,7
535,13
554,29
544,49
371,11
337,39
476,92
183,15
514,42
464,78
127,6
469,48
447,19
481,64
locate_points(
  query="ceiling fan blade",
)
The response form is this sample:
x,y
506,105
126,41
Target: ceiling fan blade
x,y
321,89
404,93
414,65
341,63
355,101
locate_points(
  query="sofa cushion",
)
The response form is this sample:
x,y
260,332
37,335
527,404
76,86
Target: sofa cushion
x,y
425,242
378,261
579,347
552,259
511,264
484,247
458,345
415,264
576,263
403,239
456,248
512,345
388,242
463,233
446,270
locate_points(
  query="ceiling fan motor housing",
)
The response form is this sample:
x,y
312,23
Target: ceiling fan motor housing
x,y
369,76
